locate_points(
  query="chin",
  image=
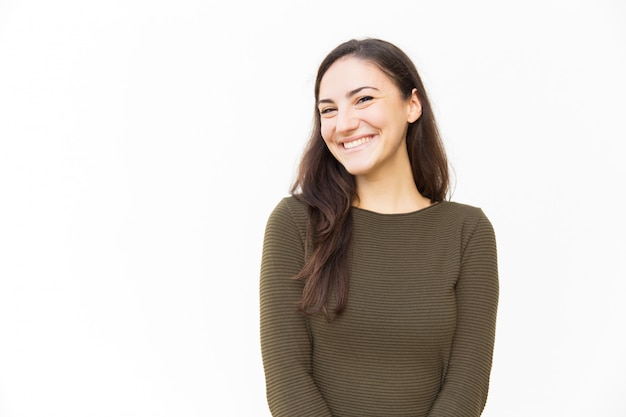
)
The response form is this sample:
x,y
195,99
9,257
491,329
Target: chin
x,y
356,170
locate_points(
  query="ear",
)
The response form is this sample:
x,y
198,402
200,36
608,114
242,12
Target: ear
x,y
415,107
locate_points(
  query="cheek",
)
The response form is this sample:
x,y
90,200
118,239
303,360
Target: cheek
x,y
327,129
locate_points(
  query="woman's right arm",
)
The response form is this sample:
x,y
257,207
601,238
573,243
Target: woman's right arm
x,y
285,340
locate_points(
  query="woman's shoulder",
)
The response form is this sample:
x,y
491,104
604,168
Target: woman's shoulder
x,y
289,212
291,206
468,218
464,215
462,209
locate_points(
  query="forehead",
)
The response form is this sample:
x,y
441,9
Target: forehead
x,y
349,73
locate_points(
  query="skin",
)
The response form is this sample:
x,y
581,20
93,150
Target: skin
x,y
364,121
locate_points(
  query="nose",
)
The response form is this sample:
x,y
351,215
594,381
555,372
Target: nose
x,y
346,120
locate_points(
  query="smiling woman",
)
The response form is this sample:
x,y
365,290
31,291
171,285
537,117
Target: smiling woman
x,y
378,295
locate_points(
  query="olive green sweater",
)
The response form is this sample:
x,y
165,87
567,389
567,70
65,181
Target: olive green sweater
x,y
416,337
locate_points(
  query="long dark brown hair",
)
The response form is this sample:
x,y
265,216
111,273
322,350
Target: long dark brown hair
x,y
329,190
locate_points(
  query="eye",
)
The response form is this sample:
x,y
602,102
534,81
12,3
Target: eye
x,y
327,111
364,99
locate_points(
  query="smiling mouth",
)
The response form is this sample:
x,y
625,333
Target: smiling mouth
x,y
355,143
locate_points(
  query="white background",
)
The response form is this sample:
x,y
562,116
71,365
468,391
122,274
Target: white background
x,y
144,143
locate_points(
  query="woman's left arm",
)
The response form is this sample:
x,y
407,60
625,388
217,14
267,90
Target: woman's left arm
x,y
465,386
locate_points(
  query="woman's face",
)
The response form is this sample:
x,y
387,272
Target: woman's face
x,y
364,118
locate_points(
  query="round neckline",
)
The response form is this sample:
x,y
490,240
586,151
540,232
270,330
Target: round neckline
x,y
408,213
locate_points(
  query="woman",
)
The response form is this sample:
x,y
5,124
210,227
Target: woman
x,y
378,296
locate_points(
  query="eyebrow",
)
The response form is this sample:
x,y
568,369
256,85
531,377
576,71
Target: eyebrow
x,y
348,95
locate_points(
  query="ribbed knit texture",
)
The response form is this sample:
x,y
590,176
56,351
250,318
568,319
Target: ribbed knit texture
x,y
416,338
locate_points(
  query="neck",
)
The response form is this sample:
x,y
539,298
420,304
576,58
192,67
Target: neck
x,y
391,195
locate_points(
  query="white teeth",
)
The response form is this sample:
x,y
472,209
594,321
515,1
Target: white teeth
x,y
355,143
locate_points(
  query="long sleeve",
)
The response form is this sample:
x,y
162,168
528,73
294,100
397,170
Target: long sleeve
x,y
285,339
464,390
